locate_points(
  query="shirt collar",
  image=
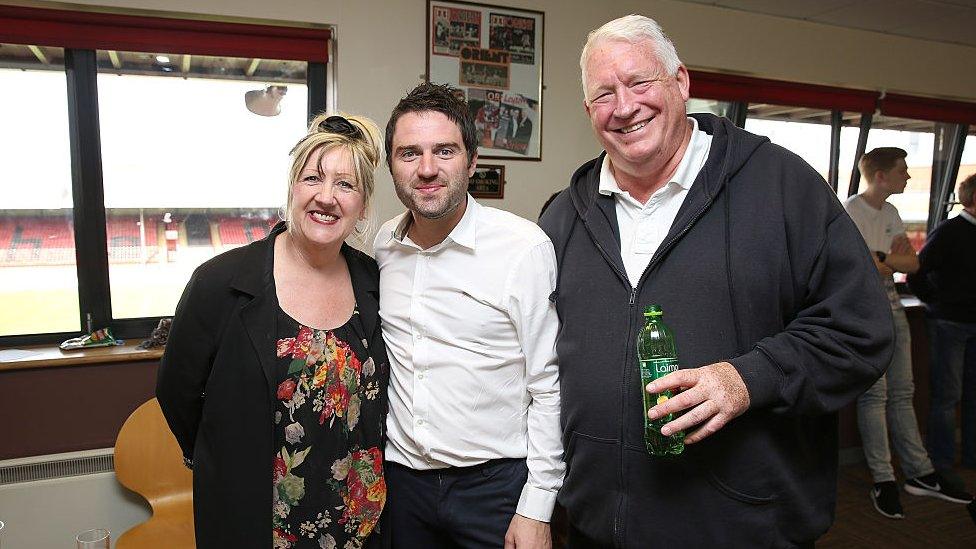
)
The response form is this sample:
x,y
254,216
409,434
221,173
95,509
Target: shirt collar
x,y
400,229
684,176
466,230
968,217
463,233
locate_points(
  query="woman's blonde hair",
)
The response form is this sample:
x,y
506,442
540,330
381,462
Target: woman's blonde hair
x,y
359,135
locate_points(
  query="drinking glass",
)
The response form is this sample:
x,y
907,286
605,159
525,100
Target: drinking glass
x,y
97,538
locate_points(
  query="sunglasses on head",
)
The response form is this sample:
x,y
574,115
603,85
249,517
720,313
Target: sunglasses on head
x,y
339,125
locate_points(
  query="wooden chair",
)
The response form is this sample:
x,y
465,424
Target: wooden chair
x,y
148,461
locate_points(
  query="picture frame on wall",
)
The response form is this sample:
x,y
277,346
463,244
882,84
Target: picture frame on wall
x,y
494,55
488,181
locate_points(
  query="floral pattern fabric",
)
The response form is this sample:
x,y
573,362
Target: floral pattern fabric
x,y
329,489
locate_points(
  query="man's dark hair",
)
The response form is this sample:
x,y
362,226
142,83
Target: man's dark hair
x,y
881,159
441,98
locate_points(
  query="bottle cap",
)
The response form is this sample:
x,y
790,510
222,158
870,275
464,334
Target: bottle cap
x,y
653,310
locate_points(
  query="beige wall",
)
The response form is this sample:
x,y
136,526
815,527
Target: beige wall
x,y
381,55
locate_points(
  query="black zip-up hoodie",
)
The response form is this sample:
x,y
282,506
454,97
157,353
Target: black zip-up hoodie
x,y
762,268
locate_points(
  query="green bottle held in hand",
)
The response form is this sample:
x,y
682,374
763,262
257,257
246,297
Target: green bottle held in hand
x,y
657,357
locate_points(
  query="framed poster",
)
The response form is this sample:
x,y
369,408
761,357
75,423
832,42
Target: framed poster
x,y
494,55
488,181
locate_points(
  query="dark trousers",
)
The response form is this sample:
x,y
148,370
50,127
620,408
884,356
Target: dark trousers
x,y
469,507
953,381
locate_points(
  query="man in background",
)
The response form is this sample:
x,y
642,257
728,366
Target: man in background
x,y
946,282
885,412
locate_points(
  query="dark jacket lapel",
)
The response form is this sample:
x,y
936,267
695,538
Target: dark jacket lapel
x,y
259,316
364,287
601,221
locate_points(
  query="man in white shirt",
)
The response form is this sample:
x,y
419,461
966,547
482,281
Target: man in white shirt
x,y
474,454
887,406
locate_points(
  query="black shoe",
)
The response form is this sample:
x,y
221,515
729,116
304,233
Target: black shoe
x,y
884,495
952,479
935,486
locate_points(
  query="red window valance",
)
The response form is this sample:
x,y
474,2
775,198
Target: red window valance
x,y
727,87
922,108
84,30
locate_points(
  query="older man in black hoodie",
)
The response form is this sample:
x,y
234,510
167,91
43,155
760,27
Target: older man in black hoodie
x,y
777,312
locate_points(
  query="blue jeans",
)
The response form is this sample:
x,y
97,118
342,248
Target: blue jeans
x,y
953,369
887,407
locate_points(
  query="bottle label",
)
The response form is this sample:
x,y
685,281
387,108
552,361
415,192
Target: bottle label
x,y
657,367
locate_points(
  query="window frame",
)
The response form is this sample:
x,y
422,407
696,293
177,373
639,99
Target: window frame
x,y
956,116
81,34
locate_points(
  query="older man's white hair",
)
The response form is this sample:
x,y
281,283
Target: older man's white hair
x,y
634,29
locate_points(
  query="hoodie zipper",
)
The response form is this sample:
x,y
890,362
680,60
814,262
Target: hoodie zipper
x,y
667,246
630,328
629,343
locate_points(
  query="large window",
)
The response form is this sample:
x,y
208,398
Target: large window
x,y
831,127
38,281
123,169
203,166
806,132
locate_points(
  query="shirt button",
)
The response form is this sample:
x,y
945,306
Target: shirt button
x,y
418,337
420,375
420,421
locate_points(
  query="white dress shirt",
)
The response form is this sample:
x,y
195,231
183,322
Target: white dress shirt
x,y
644,226
471,333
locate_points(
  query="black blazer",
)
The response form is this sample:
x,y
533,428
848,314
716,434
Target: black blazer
x,y
217,386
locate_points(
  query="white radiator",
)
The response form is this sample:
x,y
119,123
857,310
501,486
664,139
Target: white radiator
x,y
46,500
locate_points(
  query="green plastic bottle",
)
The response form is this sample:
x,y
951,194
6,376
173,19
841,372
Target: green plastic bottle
x,y
657,357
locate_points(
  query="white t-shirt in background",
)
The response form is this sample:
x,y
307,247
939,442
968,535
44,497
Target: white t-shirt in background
x,y
878,228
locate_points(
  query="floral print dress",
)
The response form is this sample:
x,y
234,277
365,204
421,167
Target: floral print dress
x,y
329,489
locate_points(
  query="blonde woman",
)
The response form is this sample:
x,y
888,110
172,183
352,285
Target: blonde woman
x,y
274,377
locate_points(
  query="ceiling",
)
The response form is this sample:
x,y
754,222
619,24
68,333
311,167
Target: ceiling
x,y
949,21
